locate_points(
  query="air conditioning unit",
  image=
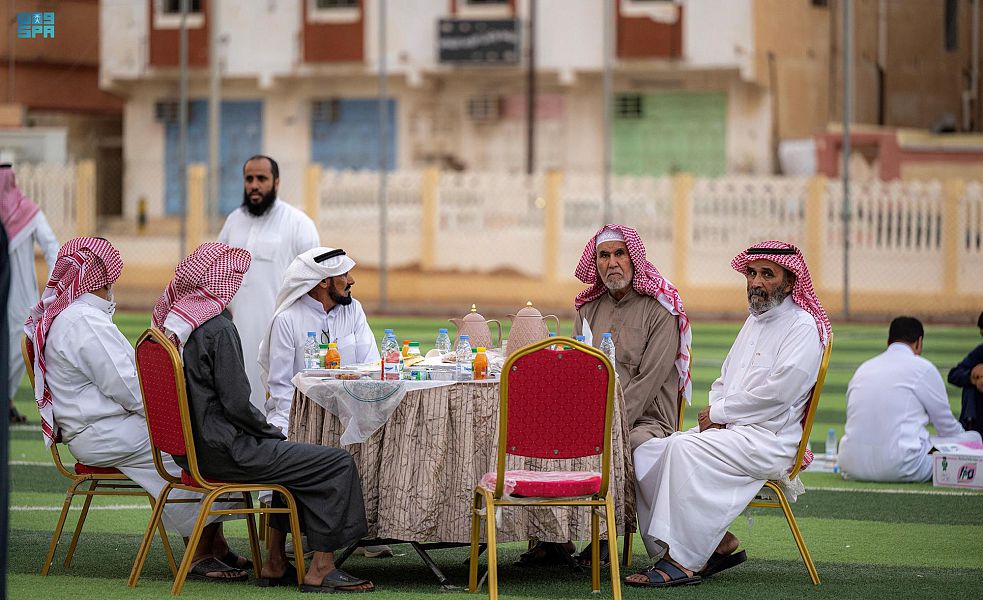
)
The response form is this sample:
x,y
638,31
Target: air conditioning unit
x,y
485,108
324,110
166,111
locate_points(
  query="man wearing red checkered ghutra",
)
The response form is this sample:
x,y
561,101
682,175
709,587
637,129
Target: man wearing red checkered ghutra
x,y
693,484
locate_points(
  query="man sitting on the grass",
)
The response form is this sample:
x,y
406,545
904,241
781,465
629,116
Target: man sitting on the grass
x,y
236,443
889,401
87,390
693,484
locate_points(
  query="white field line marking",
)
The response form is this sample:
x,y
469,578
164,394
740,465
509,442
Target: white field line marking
x,y
144,506
31,463
892,491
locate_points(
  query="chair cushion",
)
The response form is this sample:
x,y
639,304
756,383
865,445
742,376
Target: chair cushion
x,y
550,484
187,479
81,469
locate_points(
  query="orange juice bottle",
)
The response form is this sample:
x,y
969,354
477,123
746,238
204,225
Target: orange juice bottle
x,y
481,364
332,360
406,348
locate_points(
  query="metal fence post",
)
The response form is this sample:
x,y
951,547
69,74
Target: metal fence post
x,y
429,218
312,193
85,197
682,209
195,216
815,227
552,225
951,234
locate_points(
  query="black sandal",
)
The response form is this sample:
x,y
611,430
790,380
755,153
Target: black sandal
x,y
584,558
720,562
203,567
655,579
546,554
288,579
232,559
335,582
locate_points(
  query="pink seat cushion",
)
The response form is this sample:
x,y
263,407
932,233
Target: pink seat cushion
x,y
81,469
550,484
187,479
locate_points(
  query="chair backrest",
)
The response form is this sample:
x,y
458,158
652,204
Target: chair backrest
x,y
556,404
165,400
811,406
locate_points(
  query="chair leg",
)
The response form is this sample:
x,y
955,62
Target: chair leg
x,y
78,526
295,536
263,526
475,532
595,549
56,535
797,536
254,538
168,552
613,548
148,537
193,539
492,548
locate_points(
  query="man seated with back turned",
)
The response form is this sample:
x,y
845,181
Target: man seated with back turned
x,y
889,400
88,392
693,484
234,441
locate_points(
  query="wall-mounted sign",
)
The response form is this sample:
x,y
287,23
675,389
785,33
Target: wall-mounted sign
x,y
478,42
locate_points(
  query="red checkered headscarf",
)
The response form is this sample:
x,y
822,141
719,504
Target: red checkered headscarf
x,y
204,283
790,258
647,281
84,264
16,209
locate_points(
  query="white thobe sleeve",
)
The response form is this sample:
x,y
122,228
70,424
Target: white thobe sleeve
x,y
717,387
106,358
366,349
306,236
792,375
223,236
931,393
45,238
283,347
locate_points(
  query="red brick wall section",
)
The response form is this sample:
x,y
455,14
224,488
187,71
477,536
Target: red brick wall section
x,y
641,37
164,43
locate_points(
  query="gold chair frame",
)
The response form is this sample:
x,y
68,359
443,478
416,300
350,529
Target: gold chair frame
x,y
99,484
604,499
780,500
212,491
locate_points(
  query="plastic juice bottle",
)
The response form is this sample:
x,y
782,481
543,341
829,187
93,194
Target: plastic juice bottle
x,y
406,348
481,364
332,359
414,349
322,351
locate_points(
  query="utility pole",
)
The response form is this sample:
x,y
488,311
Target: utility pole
x,y
182,144
383,130
531,93
847,101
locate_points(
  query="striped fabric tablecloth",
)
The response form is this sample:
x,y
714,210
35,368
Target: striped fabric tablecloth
x,y
419,470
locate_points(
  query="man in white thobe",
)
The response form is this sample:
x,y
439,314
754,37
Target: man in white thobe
x,y
26,226
693,484
274,233
889,401
316,296
89,394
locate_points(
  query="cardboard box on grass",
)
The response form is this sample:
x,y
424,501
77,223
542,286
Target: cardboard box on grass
x,y
958,465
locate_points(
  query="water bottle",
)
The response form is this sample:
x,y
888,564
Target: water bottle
x,y
443,342
580,339
831,443
310,351
391,358
607,347
465,368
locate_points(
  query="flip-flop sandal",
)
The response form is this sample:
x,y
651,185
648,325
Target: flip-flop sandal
x,y
720,562
584,558
676,576
202,568
546,554
288,579
335,581
232,559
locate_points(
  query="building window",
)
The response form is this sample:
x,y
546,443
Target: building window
x,y
167,14
484,9
628,106
661,11
334,11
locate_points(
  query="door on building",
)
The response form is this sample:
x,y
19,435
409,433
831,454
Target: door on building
x,y
661,134
345,133
241,136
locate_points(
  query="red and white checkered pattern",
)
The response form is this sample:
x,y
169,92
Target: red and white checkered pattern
x,y
84,264
204,283
803,293
647,281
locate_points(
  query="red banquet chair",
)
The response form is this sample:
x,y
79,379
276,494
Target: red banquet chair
x,y
165,399
554,404
101,481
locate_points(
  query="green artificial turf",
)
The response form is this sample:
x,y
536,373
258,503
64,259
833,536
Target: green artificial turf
x,y
868,540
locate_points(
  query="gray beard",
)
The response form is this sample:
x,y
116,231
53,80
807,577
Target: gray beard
x,y
777,298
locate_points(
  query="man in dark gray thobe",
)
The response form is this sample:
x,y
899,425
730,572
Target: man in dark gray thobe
x,y
233,440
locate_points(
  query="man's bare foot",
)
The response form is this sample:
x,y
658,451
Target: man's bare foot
x,y
728,544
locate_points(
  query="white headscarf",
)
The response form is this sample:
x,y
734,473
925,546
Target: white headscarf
x,y
301,276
